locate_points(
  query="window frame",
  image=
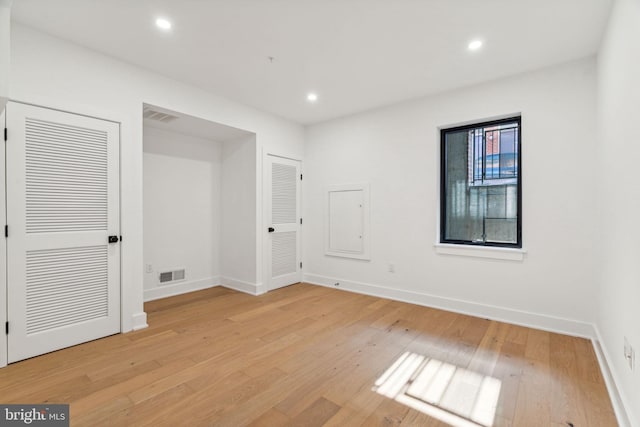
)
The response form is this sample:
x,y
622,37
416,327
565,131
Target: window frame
x,y
443,189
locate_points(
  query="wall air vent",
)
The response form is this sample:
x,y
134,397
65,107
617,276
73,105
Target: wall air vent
x,y
151,114
167,277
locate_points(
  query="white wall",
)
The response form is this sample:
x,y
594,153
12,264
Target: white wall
x,y
181,212
51,72
239,250
619,193
5,45
396,150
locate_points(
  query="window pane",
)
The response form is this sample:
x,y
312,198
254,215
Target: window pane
x,y
480,184
464,218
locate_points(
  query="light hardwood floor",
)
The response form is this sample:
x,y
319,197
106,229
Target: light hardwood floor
x,y
311,356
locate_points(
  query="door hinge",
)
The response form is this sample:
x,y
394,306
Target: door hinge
x,y
5,134
300,221
300,177
6,231
300,265
6,328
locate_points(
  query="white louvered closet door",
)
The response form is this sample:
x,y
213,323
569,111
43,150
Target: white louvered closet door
x,y
284,222
63,284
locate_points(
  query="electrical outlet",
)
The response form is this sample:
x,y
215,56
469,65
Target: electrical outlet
x,y
392,268
148,268
629,354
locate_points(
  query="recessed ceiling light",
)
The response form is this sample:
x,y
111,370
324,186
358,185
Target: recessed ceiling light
x,y
475,44
312,97
163,24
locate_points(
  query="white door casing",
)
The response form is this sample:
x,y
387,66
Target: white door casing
x,y
282,203
63,284
3,252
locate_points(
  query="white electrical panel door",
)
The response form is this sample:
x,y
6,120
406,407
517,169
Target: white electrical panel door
x,y
347,221
283,201
63,250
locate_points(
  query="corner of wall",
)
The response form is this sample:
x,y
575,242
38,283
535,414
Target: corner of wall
x,y
617,399
138,321
242,286
617,309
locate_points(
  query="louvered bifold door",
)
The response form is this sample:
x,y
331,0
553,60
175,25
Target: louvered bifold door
x,y
284,220
63,284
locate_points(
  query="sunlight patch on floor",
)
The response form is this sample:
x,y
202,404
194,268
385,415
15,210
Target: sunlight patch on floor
x,y
454,395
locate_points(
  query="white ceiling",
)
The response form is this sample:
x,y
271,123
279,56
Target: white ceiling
x,y
356,54
194,126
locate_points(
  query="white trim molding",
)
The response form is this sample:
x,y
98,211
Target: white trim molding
x,y
491,252
502,314
3,254
180,288
242,286
139,321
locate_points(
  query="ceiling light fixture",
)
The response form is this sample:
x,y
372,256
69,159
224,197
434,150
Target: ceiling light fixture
x,y
475,45
312,97
163,24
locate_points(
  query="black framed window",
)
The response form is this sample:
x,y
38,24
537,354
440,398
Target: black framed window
x,y
481,184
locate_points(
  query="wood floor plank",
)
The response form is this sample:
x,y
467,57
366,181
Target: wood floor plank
x,y
310,355
92,400
417,418
534,405
316,414
388,413
271,418
565,407
348,369
345,416
509,370
201,397
233,397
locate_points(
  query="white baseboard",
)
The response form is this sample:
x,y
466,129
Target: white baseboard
x,y
139,321
180,288
261,288
242,286
507,315
618,400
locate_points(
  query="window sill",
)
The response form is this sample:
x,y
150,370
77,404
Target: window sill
x,y
480,251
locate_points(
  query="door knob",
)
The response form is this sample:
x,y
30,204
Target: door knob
x,y
271,229
113,239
